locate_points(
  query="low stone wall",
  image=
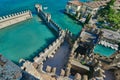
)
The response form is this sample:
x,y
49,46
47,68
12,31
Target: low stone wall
x,y
14,18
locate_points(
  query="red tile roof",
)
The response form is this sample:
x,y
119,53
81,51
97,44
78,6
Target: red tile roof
x,y
96,4
75,2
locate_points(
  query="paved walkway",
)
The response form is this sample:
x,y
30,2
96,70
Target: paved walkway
x,y
59,58
109,75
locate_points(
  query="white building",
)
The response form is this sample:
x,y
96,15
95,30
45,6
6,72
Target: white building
x,y
73,6
93,7
84,9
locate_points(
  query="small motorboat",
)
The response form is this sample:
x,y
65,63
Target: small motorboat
x,y
45,8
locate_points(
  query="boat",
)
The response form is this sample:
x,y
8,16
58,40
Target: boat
x,y
45,8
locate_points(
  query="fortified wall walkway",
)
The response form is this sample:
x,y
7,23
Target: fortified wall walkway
x,y
47,18
60,58
55,49
14,18
51,50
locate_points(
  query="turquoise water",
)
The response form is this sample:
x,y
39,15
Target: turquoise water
x,y
23,40
56,10
26,39
103,50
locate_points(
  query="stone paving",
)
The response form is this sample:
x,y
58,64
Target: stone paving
x,y
59,58
9,70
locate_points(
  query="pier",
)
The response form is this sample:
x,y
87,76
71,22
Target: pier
x,y
14,18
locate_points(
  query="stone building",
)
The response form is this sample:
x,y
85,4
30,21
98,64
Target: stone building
x,y
88,38
73,7
111,36
110,39
82,10
93,7
9,70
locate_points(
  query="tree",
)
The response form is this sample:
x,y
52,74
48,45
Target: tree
x,y
88,18
111,3
110,15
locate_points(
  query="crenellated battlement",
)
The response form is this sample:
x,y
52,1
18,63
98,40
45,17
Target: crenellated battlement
x,y
10,16
51,49
47,18
10,19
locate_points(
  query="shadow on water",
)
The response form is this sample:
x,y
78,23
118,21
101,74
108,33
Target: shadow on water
x,y
51,29
40,49
70,16
26,76
62,11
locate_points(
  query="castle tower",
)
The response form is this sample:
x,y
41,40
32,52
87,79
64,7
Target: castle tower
x,y
48,17
67,8
77,76
30,13
38,7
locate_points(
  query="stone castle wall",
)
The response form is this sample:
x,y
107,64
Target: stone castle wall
x,y
46,17
9,70
38,60
52,48
14,18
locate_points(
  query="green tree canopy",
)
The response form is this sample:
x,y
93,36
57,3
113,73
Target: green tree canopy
x,y
109,14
